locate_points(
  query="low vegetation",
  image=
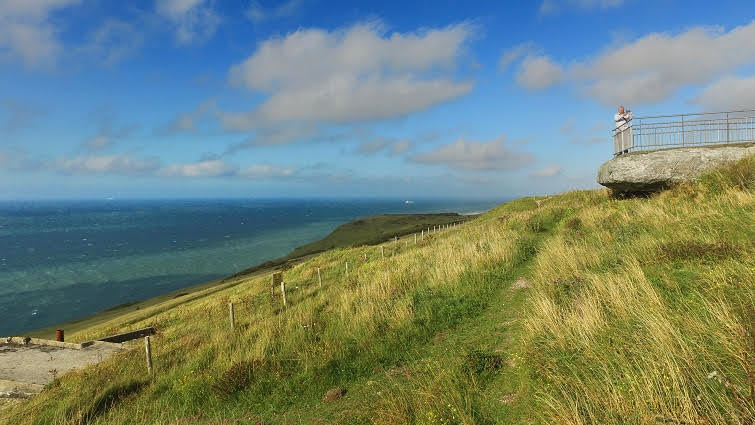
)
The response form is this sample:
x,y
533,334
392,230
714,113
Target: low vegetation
x,y
574,309
362,231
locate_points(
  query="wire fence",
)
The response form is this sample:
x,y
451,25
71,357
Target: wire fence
x,y
667,131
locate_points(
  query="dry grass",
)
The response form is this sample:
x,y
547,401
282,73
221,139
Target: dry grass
x,y
640,311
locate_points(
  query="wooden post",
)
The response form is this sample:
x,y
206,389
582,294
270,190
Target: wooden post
x,y
365,256
283,292
422,235
319,278
148,349
347,269
415,239
382,251
230,313
276,280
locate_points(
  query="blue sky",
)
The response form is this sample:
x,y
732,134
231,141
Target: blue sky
x,y
303,98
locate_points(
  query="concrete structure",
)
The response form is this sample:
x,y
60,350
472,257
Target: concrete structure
x,y
28,364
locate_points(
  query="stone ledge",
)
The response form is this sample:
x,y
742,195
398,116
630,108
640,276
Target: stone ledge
x,y
656,170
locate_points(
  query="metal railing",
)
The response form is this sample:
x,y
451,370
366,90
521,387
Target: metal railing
x,y
682,130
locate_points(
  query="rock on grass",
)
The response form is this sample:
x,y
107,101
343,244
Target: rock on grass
x,y
333,395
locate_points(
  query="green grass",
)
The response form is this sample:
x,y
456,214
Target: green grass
x,y
362,231
376,229
636,310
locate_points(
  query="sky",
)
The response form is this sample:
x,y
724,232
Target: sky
x,y
356,99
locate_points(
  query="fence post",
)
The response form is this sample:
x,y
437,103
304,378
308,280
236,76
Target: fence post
x,y
283,292
148,350
347,269
415,239
422,235
382,251
682,130
230,312
319,278
728,137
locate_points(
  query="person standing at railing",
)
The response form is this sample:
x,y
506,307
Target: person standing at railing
x,y
621,121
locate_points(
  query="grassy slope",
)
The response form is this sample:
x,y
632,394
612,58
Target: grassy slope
x,y
640,311
363,231
375,229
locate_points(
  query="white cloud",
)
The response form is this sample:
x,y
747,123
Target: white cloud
x,y
550,171
107,135
121,164
202,168
539,73
729,93
112,42
264,171
356,74
194,20
471,155
187,122
258,13
27,33
513,54
656,66
393,146
548,7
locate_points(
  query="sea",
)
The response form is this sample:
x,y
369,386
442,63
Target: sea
x,y
64,260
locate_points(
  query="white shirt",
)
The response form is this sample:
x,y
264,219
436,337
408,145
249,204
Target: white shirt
x,y
621,120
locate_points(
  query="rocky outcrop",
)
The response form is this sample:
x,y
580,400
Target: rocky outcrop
x,y
656,170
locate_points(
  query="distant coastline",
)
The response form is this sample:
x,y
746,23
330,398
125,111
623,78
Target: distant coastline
x,y
361,231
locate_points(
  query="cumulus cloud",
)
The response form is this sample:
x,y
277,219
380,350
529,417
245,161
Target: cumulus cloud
x,y
120,164
548,7
729,93
258,13
550,171
539,73
470,155
652,68
27,32
357,74
193,20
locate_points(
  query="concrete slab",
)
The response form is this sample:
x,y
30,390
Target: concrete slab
x,y
27,366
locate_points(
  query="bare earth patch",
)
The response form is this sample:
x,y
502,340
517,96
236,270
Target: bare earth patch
x,y
521,284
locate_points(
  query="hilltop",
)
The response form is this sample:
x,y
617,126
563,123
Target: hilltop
x,y
575,308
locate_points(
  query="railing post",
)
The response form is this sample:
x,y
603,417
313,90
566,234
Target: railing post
x,y
682,130
728,138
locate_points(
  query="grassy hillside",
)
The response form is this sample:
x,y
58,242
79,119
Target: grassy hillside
x,y
362,231
574,309
375,229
